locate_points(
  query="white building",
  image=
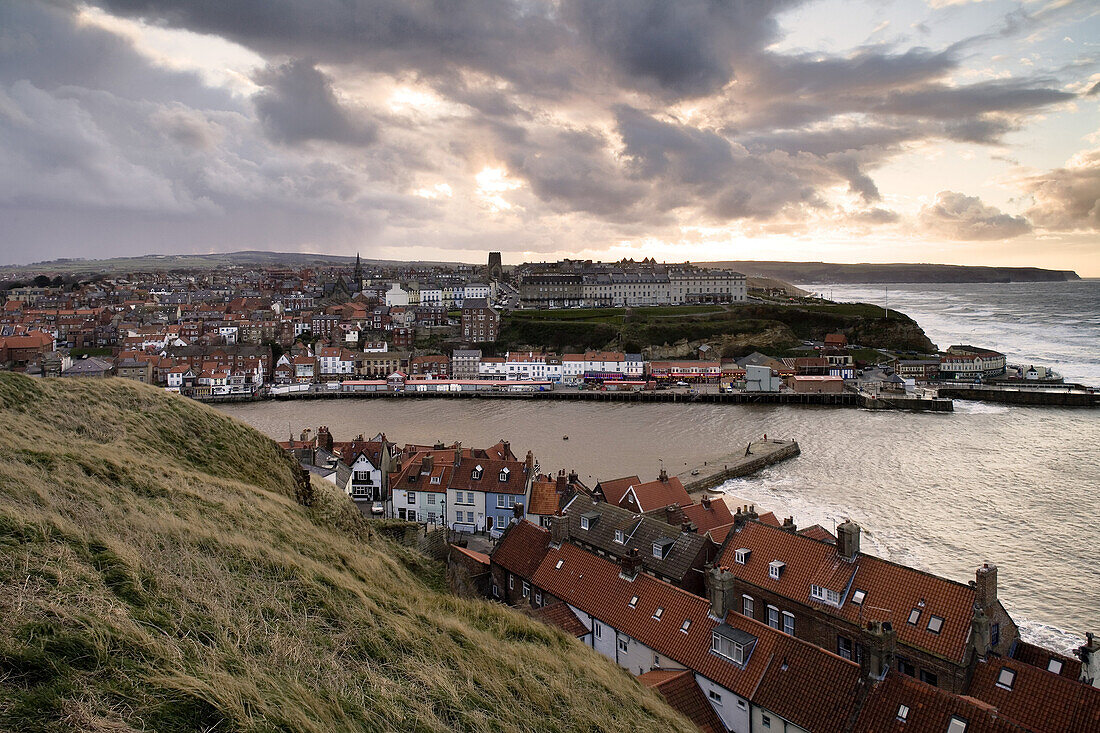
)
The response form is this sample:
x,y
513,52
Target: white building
x,y
694,286
476,290
761,379
396,296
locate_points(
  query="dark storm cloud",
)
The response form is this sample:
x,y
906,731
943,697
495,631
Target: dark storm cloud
x,y
957,216
297,103
1068,198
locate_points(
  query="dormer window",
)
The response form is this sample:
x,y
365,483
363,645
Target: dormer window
x,y
619,536
436,479
742,556
727,648
775,569
588,520
476,473
935,624
1006,679
662,547
504,475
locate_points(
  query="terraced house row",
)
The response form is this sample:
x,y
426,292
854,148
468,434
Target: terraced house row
x,y
754,626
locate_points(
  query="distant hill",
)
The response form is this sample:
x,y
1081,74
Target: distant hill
x,y
157,574
826,272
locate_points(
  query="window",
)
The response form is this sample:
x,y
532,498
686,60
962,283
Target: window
x,y
623,644
358,490
819,593
412,515
935,623
844,647
773,617
505,501
412,497
995,634
1055,666
1006,678
476,473
431,499
557,566
903,713
597,630
788,623
658,613
906,667
687,625
766,721
469,517
362,476
747,606
633,601
619,536
715,696
914,616
742,556
584,522
775,569
504,475
742,704
957,725
727,648
526,589
435,480
929,678
496,591
511,582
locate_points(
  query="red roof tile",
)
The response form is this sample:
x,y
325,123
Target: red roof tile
x,y
1038,699
656,494
614,489
480,557
887,586
1039,657
927,709
544,498
521,548
770,519
682,693
707,518
559,614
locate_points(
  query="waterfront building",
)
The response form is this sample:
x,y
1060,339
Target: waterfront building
x,y
464,363
480,322
971,363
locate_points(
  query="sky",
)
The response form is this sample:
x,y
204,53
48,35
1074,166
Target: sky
x,y
952,131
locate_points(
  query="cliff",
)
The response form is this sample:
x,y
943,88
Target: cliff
x,y
827,272
156,573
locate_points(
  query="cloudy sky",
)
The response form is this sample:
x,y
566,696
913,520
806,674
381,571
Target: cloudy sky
x,y
961,131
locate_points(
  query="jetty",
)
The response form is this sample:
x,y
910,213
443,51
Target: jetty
x,y
755,456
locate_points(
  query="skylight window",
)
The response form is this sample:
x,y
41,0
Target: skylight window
x,y
633,601
935,624
903,713
657,614
957,725
686,625
914,616
1055,666
858,596
1006,679
558,565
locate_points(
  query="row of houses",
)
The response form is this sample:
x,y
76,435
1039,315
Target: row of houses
x,y
618,287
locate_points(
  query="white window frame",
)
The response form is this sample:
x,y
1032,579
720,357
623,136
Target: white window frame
x,y
788,623
773,617
748,605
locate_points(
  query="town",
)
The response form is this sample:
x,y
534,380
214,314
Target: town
x,y
742,620
275,332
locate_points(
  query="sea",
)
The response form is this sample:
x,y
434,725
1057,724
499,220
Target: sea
x,y
944,492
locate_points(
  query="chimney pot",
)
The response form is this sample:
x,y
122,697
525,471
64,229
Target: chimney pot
x,y
517,510
706,503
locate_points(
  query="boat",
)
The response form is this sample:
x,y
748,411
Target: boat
x,y
565,437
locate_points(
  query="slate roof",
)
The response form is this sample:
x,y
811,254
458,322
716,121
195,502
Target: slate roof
x,y
682,693
929,709
1038,699
521,548
638,531
559,614
887,586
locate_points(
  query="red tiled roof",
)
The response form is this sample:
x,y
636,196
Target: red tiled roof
x,y
887,586
480,557
544,498
928,710
559,614
718,534
813,690
521,549
1039,657
706,519
614,489
819,533
491,469
770,519
658,494
682,693
1038,699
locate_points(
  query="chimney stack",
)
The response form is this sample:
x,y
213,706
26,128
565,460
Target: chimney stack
x,y
706,503
458,454
559,530
720,591
663,475
674,515
631,563
517,510
427,464
789,525
324,438
574,477
507,447
880,643
1089,654
986,586
530,463
560,483
847,540
689,527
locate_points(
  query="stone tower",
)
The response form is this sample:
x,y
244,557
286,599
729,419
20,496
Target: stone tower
x,y
358,272
495,269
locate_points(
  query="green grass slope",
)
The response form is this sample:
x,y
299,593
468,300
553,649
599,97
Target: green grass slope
x,y
156,574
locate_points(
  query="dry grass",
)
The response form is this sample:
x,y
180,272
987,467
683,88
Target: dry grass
x,y
155,574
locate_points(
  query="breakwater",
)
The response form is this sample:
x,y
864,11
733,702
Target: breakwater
x,y
759,454
1015,396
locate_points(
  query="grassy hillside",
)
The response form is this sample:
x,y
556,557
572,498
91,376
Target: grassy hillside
x,y
737,330
156,574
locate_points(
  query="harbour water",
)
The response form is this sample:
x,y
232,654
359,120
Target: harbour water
x,y
944,492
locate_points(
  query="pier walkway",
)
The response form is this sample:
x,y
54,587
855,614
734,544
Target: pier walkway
x,y
760,454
